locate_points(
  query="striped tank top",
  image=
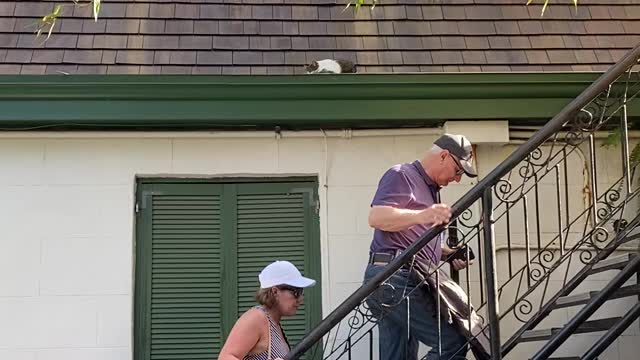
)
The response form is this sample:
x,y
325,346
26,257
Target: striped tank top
x,y
279,344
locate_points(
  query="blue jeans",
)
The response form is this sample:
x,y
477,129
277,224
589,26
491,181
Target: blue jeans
x,y
399,340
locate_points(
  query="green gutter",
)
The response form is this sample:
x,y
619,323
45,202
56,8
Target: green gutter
x,y
287,101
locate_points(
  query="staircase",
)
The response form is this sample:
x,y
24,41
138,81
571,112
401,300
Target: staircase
x,y
553,254
626,266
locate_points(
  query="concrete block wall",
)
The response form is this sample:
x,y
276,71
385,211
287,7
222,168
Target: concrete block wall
x,y
67,246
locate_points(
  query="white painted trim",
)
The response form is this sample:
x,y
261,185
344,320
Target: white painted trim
x,y
480,132
347,134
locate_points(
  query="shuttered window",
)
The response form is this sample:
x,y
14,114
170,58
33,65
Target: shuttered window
x,y
271,226
199,249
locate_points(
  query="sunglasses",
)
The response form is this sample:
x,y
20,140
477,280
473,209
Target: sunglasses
x,y
459,169
296,292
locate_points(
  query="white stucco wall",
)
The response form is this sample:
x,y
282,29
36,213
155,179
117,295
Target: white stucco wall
x,y
66,214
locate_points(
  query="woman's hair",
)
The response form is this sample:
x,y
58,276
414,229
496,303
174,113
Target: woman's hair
x,y
266,298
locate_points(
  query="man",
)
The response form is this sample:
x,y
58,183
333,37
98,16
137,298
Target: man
x,y
405,206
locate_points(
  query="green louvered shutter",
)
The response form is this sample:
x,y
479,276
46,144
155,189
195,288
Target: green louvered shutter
x,y
275,222
199,249
180,247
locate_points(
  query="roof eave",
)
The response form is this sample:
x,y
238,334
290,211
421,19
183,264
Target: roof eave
x,y
383,100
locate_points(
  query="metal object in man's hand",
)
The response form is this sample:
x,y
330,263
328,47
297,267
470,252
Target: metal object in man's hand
x,y
461,254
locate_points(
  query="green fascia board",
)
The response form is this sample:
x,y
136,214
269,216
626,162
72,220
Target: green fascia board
x,y
363,100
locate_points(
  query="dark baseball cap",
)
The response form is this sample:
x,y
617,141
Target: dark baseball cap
x,y
460,147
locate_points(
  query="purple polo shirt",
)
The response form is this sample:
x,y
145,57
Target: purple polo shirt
x,y
406,186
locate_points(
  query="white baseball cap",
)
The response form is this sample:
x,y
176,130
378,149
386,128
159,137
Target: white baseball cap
x,y
283,273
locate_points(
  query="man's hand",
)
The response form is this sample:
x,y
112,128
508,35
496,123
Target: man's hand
x,y
458,264
436,214
453,257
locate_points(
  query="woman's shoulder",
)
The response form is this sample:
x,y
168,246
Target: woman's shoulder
x,y
248,336
254,317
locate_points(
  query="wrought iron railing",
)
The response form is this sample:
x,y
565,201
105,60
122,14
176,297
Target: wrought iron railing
x,y
555,236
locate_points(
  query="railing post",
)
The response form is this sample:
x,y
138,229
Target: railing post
x,y
593,177
624,139
490,272
453,242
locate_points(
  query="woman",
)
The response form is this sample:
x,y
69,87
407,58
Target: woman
x,y
257,335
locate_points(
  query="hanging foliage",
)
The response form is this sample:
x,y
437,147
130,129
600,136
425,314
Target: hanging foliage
x,y
48,22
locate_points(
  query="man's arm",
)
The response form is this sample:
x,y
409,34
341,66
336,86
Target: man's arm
x,y
388,218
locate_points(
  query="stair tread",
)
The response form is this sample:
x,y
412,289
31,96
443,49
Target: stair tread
x,y
586,327
583,298
617,262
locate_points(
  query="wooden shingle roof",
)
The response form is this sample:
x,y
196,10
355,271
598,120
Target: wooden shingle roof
x,y
280,36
